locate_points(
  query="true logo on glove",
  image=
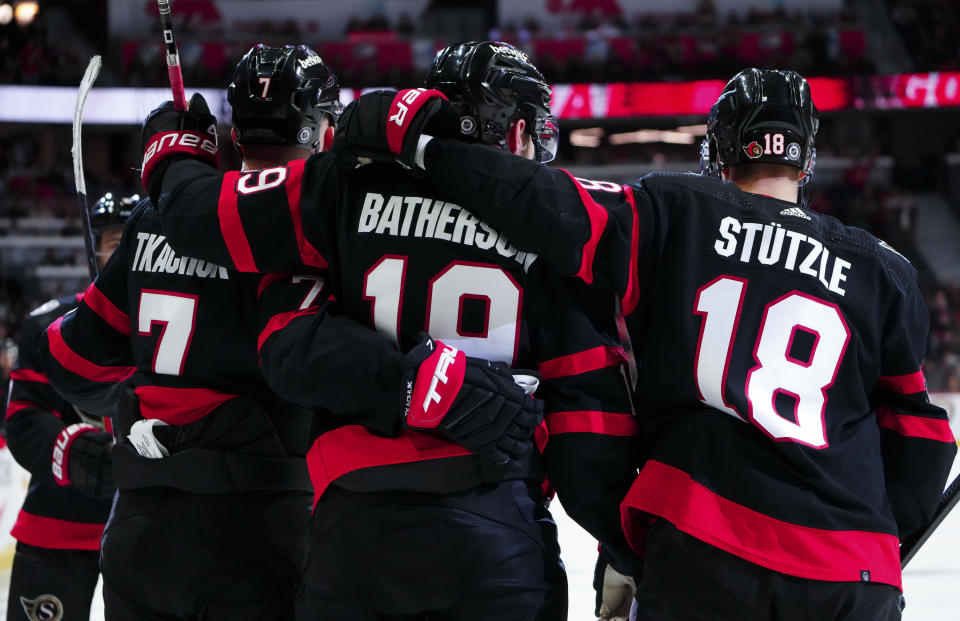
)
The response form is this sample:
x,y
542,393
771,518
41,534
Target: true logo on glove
x,y
447,356
438,381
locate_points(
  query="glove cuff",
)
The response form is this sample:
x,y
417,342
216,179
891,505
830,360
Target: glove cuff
x,y
403,111
165,144
435,388
61,451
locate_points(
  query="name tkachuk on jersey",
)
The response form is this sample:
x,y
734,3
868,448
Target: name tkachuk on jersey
x,y
416,216
802,253
147,259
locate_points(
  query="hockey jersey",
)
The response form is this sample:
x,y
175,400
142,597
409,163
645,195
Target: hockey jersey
x,y
780,383
182,332
52,516
405,259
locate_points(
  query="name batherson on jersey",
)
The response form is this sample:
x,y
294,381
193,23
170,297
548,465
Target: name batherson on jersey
x,y
404,258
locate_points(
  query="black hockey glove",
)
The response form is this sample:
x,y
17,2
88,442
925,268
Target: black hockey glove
x,y
82,457
167,132
474,402
615,591
387,125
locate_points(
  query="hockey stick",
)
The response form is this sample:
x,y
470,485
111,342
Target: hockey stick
x,y
89,76
911,545
173,56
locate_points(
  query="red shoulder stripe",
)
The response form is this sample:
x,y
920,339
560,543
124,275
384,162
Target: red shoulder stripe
x,y
632,294
279,321
106,310
267,280
598,222
231,226
294,186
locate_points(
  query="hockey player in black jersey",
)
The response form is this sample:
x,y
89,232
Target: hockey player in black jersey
x,y
793,444
213,488
68,454
419,516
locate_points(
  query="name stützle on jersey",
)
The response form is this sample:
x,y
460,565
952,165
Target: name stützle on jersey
x,y
418,216
773,244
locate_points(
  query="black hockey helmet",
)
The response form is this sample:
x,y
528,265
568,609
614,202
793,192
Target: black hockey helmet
x,y
762,116
280,94
111,213
492,84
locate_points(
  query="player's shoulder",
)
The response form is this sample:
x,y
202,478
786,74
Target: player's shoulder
x,y
46,313
854,240
682,188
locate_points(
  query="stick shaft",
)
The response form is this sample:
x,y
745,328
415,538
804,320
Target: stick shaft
x,y
911,545
89,76
173,56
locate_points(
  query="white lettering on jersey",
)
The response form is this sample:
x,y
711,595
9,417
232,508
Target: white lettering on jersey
x,y
814,258
416,216
147,259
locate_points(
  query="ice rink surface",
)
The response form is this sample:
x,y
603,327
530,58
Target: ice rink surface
x,y
928,581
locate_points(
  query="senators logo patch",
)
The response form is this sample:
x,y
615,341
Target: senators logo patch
x,y
753,150
43,608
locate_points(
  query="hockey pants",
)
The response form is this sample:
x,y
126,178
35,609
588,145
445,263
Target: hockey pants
x,y
171,555
48,583
490,553
685,579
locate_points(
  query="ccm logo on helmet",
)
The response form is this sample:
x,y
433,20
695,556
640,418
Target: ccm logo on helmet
x,y
188,140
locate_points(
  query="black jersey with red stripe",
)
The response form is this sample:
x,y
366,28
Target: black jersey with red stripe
x,y
52,516
780,353
404,259
181,330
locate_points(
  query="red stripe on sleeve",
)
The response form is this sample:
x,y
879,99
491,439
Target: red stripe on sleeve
x,y
18,406
308,253
75,363
598,222
268,280
582,362
632,294
102,306
904,384
590,421
29,375
915,426
279,321
231,226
